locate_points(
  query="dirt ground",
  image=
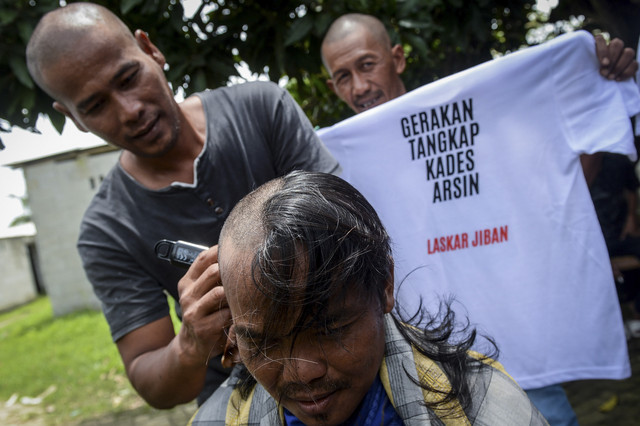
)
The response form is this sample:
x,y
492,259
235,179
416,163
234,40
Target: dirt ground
x,y
179,416
19,415
609,402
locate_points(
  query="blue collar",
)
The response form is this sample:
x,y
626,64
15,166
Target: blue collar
x,y
375,409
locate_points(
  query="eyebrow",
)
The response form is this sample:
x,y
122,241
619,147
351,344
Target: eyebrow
x,y
331,318
248,333
338,317
367,56
82,105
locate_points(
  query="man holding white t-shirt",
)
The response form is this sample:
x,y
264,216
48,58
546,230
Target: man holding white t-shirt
x,y
365,72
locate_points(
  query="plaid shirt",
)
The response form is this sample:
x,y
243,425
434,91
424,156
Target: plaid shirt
x,y
496,397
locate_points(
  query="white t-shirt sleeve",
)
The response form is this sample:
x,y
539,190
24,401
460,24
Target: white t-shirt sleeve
x,y
585,97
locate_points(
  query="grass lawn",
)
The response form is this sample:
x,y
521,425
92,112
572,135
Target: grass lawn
x,y
70,361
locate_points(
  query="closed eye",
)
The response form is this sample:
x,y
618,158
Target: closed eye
x,y
129,79
259,349
341,78
368,65
335,331
94,107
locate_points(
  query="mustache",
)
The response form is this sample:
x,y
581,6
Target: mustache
x,y
294,390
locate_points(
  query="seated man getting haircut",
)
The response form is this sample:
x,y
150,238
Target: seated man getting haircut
x,y
307,270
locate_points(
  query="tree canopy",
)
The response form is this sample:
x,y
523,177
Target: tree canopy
x,y
281,39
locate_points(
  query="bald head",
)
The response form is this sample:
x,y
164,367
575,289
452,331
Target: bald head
x,y
59,32
243,228
351,23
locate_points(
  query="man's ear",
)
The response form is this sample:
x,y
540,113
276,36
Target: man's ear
x,y
148,47
64,110
231,355
397,52
389,301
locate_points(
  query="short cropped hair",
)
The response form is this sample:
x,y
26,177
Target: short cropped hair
x,y
57,33
346,24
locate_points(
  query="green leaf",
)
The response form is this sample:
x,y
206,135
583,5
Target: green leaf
x,y
223,68
177,71
419,44
7,16
127,5
29,98
58,121
25,29
199,81
411,24
321,24
19,69
409,7
300,28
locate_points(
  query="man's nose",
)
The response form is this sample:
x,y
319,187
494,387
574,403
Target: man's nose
x,y
130,108
305,364
360,84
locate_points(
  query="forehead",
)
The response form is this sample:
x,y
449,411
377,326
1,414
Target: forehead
x,y
251,307
94,56
235,273
236,269
252,317
359,44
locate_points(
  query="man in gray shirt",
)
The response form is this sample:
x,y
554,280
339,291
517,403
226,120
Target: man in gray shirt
x,y
182,168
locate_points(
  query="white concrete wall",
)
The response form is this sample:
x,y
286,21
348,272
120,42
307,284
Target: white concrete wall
x,y
59,192
17,283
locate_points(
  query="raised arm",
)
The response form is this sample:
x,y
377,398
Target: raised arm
x,y
168,369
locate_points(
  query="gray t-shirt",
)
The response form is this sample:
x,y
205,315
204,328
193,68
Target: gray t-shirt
x,y
255,132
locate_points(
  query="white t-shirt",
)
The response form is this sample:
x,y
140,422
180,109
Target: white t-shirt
x,y
478,180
